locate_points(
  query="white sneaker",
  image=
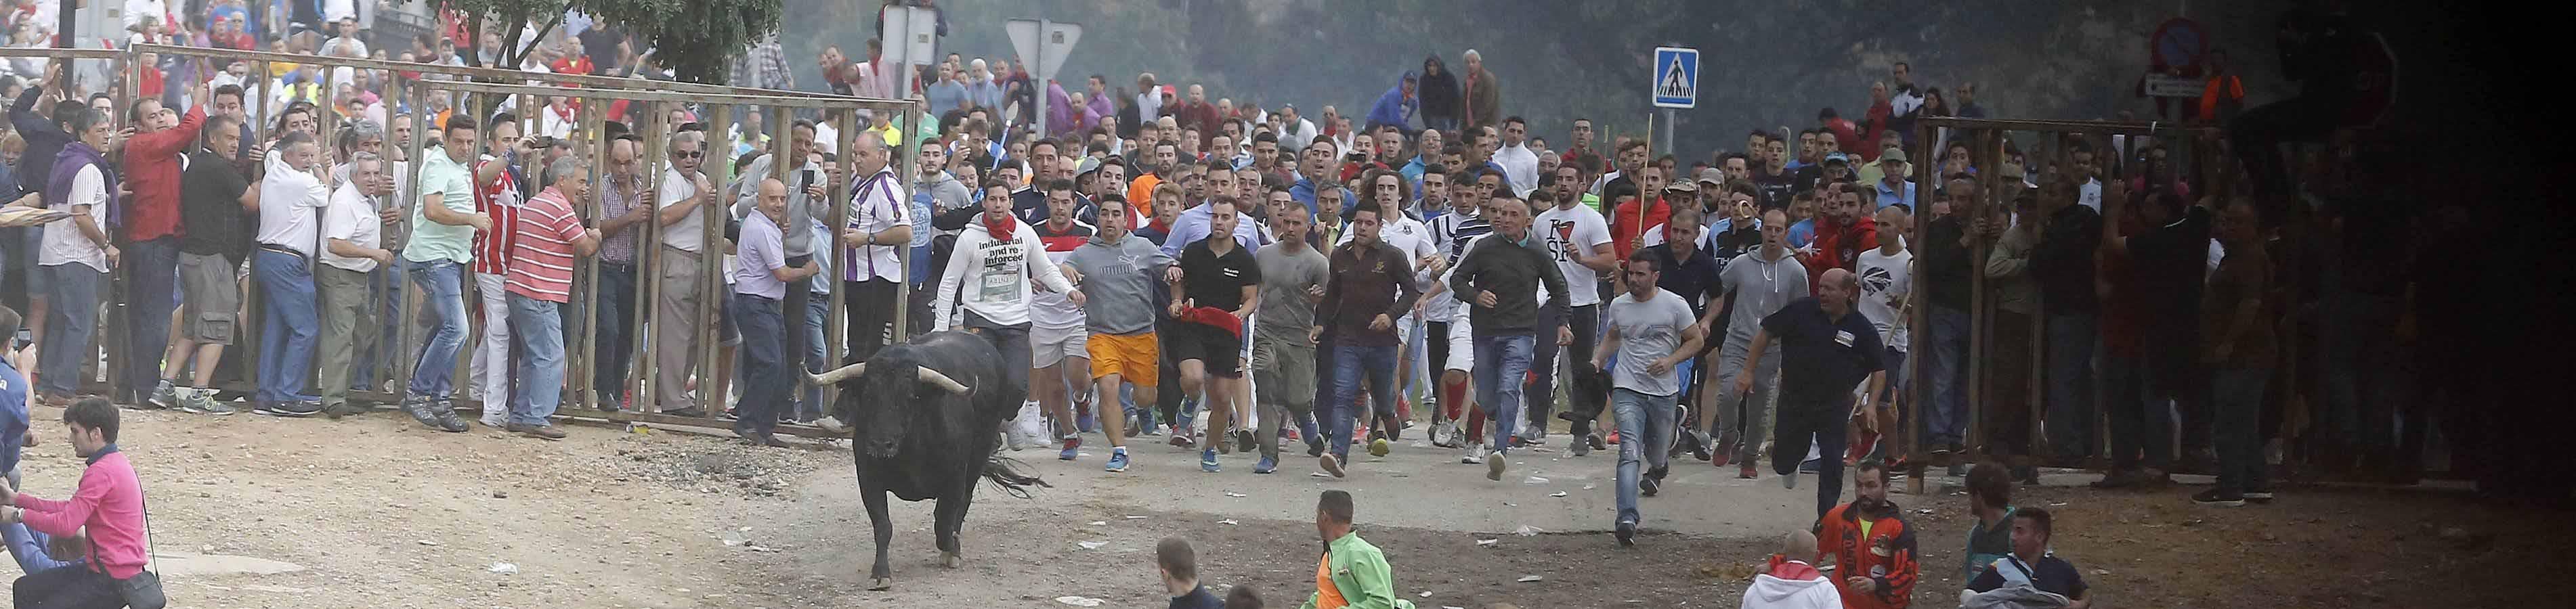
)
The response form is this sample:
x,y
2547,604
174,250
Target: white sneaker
x,y
1494,464
1475,454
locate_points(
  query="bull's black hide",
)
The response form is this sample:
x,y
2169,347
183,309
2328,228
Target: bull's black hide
x,y
925,415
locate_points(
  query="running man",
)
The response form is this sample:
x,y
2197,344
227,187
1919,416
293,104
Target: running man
x,y
1218,289
1122,268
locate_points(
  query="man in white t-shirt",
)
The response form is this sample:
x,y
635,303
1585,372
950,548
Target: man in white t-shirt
x,y
675,332
1580,239
74,257
352,252
1886,278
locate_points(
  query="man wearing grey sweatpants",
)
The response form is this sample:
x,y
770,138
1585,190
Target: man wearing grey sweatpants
x,y
1758,283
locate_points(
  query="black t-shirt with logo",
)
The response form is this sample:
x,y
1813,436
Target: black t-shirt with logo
x,y
1217,281
210,192
1822,359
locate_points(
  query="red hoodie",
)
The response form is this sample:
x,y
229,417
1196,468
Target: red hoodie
x,y
1838,246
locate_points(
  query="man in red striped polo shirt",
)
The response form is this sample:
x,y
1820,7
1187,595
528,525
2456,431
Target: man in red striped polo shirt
x,y
546,237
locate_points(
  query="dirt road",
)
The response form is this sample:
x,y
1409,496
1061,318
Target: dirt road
x,y
376,512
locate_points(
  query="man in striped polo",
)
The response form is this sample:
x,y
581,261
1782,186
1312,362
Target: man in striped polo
x,y
548,237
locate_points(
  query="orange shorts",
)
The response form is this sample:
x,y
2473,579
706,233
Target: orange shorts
x,y
1133,357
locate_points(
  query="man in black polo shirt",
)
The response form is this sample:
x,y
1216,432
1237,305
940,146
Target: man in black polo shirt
x,y
1825,349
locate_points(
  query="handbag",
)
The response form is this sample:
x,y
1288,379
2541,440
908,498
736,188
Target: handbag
x,y
143,590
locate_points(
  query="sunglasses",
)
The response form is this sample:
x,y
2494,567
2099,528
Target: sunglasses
x,y
689,155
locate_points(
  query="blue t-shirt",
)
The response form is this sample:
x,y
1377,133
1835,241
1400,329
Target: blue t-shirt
x,y
13,413
1802,233
1198,598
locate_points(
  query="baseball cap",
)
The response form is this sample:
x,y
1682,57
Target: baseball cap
x,y
1088,165
1838,157
1712,176
1892,154
1682,186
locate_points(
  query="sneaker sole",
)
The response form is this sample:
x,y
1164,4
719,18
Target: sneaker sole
x,y
1494,465
1331,465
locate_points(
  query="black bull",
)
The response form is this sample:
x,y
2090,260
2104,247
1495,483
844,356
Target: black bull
x,y
925,415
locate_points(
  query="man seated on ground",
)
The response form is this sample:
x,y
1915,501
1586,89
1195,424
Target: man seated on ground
x,y
1353,573
2030,567
108,506
1243,597
1873,546
1791,583
1990,500
1179,565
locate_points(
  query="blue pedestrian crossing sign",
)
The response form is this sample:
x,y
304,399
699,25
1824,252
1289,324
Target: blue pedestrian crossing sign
x,y
1676,77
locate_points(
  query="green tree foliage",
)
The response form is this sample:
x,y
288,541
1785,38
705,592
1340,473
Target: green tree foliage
x,y
697,39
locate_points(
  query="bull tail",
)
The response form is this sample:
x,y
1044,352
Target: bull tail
x,y
1004,472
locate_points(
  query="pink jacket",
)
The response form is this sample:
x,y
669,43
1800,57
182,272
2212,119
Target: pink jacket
x,y
109,502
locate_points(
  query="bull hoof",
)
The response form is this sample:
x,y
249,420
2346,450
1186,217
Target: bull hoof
x,y
882,584
951,560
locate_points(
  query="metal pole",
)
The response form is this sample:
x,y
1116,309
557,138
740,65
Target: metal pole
x,y
909,173
1038,93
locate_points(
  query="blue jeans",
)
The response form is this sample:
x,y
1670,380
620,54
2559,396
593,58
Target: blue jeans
x,y
151,279
616,308
288,325
817,310
71,316
443,297
2141,417
2236,411
764,340
2070,385
537,327
1946,422
1501,361
1646,433
1351,363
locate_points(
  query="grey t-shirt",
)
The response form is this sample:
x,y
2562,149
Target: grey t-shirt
x,y
1648,330
1285,313
1118,282
1757,288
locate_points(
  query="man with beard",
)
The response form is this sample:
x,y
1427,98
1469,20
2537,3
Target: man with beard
x,y
1872,544
1843,231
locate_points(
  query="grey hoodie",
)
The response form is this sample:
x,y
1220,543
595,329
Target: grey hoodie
x,y
1118,282
1757,288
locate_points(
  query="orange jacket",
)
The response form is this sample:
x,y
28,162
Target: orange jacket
x,y
2225,87
1885,556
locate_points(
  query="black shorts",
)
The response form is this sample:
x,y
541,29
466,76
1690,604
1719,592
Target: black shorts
x,y
1219,350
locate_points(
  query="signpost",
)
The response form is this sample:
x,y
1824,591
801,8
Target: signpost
x,y
1675,84
1043,45
911,40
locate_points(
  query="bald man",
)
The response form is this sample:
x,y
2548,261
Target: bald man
x,y
1826,347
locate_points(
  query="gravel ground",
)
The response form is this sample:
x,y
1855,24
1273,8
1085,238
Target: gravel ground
x,y
381,513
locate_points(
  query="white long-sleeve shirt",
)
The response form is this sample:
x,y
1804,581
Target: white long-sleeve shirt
x,y
1520,167
994,275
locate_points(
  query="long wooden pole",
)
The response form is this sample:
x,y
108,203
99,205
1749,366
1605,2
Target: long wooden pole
x,y
656,130
712,389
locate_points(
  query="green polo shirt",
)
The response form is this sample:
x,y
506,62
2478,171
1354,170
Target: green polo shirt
x,y
453,182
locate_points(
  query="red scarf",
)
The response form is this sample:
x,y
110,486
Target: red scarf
x,y
1004,230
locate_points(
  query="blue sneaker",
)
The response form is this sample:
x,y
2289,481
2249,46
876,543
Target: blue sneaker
x,y
1207,461
1072,448
1117,461
1267,465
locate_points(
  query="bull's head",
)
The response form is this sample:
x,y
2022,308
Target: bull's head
x,y
885,399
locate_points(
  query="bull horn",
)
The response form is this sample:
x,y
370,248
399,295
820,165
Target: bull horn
x,y
935,378
835,376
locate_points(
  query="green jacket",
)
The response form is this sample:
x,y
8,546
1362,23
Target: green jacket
x,y
1361,574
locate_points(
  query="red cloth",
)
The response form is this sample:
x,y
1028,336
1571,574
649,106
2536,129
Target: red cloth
x,y
109,502
1846,137
1006,229
1786,568
1221,318
152,172
1625,228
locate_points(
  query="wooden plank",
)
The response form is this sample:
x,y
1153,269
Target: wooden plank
x,y
648,257
712,384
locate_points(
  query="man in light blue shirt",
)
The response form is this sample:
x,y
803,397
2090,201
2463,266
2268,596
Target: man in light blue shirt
x,y
1893,188
946,93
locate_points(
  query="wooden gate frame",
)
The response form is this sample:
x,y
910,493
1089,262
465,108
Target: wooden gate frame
x,y
655,132
1986,138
